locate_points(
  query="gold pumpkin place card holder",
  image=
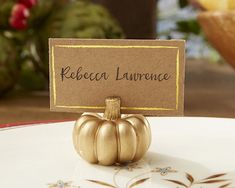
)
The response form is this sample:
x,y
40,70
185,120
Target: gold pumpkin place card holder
x,y
141,76
111,139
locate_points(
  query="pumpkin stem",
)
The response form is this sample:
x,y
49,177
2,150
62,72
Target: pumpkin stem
x,y
112,109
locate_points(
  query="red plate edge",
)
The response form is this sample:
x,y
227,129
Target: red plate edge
x,y
32,123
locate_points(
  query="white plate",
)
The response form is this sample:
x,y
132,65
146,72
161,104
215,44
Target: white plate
x,y
185,152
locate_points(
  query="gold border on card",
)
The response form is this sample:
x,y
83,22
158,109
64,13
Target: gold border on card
x,y
115,46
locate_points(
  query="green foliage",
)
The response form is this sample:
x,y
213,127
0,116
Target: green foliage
x,y
9,67
30,78
78,19
183,3
5,11
81,19
24,53
189,26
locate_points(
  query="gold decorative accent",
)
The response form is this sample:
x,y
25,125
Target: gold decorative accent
x,y
53,72
122,108
177,79
129,166
137,180
102,183
115,46
208,180
164,171
62,184
189,183
111,139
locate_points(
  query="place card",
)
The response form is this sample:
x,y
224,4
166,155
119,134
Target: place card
x,y
148,75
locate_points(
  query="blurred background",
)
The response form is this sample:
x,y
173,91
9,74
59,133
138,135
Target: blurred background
x,y
208,26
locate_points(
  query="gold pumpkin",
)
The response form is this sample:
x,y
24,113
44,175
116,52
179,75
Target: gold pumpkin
x,y
111,139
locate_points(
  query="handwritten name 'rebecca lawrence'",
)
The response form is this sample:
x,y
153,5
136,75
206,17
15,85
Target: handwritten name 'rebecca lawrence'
x,y
81,74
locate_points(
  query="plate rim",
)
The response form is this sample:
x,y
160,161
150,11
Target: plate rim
x,y
30,123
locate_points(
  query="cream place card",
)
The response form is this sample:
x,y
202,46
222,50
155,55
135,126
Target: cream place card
x,y
148,75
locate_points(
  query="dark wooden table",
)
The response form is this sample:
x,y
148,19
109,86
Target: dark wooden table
x,y
209,91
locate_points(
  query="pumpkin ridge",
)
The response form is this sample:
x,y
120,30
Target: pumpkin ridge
x,y
145,123
137,138
135,116
82,125
95,140
118,142
77,134
125,127
93,115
